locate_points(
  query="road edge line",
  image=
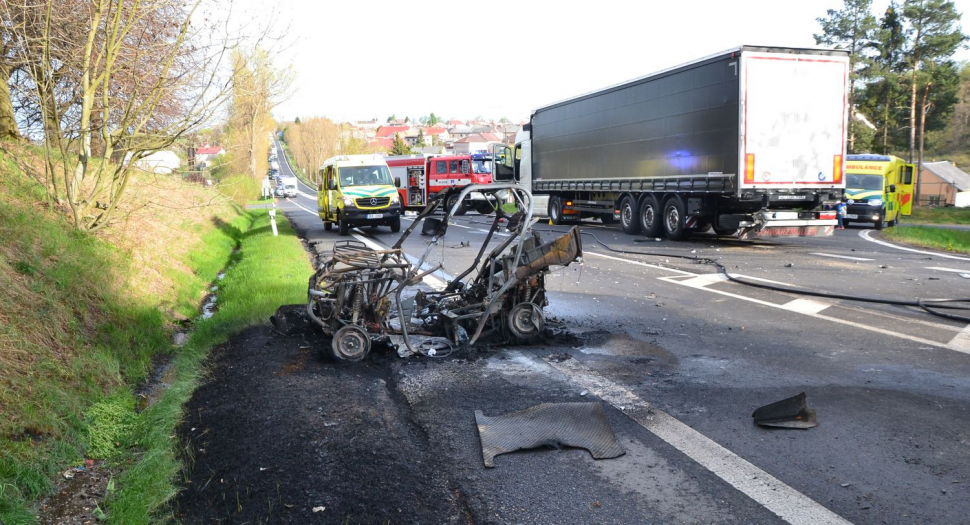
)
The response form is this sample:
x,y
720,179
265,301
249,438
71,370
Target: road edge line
x,y
768,491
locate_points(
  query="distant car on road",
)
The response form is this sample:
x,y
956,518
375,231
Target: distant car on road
x,y
289,189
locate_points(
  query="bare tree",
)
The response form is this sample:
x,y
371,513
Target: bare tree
x,y
312,141
113,80
257,87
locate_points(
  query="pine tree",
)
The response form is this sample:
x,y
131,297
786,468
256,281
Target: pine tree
x,y
934,36
399,147
851,29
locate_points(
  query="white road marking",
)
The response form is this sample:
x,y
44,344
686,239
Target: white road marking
x,y
308,210
865,235
834,256
805,306
307,195
939,269
638,263
961,342
779,498
703,280
919,340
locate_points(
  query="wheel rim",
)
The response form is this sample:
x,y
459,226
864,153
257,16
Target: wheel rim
x,y
626,215
351,343
673,219
554,213
525,320
648,216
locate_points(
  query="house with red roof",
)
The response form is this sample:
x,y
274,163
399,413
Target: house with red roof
x,y
206,153
384,132
382,143
475,143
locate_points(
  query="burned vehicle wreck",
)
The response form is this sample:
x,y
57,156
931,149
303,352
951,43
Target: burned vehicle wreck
x,y
362,296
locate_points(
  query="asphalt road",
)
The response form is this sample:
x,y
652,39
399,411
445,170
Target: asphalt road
x,y
680,358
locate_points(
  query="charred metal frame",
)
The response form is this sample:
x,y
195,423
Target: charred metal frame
x,y
350,294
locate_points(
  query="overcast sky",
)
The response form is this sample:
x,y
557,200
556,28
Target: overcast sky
x,y
358,59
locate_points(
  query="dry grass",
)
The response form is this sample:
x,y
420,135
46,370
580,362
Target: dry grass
x,y
82,315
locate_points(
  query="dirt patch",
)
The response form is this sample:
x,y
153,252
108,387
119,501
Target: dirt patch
x,y
76,500
279,433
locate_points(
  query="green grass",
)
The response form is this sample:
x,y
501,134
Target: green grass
x,y
948,215
267,272
939,238
75,340
240,188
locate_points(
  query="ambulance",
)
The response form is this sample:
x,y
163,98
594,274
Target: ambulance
x,y
358,190
878,189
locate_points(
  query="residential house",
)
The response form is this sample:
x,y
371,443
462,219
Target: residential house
x,y
475,143
383,143
162,162
367,124
434,134
460,131
205,154
384,132
944,184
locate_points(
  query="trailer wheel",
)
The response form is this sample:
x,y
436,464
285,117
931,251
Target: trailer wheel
x,y
350,343
629,222
607,218
650,222
555,210
673,219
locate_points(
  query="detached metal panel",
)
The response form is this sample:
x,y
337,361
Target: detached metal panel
x,y
679,127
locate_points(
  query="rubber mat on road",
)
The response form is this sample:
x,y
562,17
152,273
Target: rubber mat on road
x,y
580,425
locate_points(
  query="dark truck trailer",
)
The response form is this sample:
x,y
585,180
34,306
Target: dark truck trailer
x,y
750,140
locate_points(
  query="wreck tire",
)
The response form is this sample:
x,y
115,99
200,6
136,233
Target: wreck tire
x,y
526,321
629,222
650,223
351,343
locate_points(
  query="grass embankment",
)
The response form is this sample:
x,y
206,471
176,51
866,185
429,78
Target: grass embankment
x,y
267,272
82,317
928,215
930,237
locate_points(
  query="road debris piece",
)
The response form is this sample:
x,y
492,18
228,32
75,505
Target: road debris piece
x,y
360,295
787,413
580,425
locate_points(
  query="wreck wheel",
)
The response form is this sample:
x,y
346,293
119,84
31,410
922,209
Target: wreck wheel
x,y
351,343
526,320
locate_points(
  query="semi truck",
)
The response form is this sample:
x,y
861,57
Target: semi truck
x,y
749,141
419,178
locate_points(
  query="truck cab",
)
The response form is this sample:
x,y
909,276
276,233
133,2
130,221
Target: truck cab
x,y
358,190
878,189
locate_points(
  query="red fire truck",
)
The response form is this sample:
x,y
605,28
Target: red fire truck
x,y
418,178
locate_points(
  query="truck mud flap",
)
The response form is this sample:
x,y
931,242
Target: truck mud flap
x,y
787,231
581,425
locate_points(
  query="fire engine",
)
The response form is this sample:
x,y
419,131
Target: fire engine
x,y
418,178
